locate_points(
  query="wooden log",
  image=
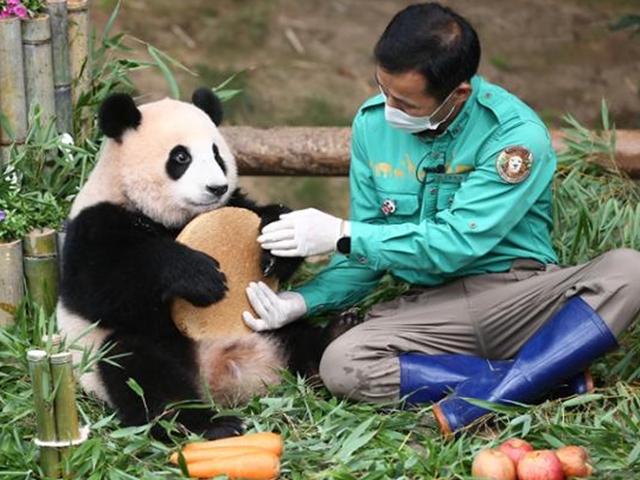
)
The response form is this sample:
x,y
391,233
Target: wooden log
x,y
66,411
11,280
13,104
41,268
311,151
43,404
61,64
38,66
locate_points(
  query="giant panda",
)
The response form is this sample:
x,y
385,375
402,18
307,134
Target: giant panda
x,y
160,165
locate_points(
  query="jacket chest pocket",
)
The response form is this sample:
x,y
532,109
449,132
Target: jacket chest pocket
x,y
398,207
447,185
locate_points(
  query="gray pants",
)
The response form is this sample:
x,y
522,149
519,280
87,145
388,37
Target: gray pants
x,y
490,315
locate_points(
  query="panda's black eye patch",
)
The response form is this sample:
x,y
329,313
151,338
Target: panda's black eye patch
x,y
179,160
216,154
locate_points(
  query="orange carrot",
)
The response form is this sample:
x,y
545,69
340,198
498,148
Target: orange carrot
x,y
198,455
256,466
267,440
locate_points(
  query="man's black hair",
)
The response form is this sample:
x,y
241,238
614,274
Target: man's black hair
x,y
433,40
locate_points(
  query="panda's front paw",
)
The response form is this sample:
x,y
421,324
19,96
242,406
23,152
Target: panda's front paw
x,y
202,284
221,427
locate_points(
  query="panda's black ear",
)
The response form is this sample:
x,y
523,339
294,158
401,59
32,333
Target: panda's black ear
x,y
207,101
117,114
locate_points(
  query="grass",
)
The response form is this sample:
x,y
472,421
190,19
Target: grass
x,y
329,438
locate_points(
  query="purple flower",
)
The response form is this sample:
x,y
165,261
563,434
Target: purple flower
x,y
4,13
13,3
2,215
20,11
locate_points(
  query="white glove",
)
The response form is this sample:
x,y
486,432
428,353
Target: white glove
x,y
302,233
275,309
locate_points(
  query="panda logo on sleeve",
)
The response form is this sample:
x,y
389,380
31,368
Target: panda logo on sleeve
x,y
162,164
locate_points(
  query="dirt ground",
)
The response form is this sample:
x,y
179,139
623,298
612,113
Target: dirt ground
x,y
309,62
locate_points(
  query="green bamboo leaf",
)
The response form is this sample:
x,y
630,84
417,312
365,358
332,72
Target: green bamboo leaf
x,y
357,439
129,431
135,386
6,126
111,21
582,399
166,72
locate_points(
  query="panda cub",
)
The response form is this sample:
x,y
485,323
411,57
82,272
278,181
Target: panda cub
x,y
162,164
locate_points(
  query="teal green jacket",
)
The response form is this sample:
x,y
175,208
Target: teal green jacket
x,y
430,209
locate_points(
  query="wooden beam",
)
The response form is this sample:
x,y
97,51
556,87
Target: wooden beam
x,y
324,151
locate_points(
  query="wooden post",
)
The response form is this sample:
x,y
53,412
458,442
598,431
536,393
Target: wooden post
x,y
41,268
38,66
324,151
61,64
13,103
11,280
79,46
43,402
66,412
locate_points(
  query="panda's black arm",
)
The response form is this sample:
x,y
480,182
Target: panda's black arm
x,y
280,267
107,244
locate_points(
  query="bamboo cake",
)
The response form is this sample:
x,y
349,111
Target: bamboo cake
x,y
229,235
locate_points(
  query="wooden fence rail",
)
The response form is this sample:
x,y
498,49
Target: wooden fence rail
x,y
324,151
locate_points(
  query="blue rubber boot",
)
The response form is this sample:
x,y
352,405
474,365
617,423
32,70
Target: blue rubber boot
x,y
428,378
564,346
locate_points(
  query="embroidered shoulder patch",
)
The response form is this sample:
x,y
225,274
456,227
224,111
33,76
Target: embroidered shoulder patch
x,y
514,164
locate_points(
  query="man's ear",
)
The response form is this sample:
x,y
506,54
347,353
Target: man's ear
x,y
463,91
208,102
117,114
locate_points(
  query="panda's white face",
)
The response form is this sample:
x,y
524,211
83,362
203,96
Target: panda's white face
x,y
176,164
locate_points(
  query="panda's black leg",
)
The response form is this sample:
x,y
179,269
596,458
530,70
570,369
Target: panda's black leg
x,y
167,372
306,343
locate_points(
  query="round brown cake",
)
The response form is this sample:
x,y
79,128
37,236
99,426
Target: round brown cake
x,y
229,235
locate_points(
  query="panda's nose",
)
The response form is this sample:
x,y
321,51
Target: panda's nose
x,y
217,190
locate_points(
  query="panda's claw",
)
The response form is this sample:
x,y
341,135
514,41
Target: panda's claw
x,y
267,263
226,426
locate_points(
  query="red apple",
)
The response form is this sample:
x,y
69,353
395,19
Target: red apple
x,y
540,465
575,461
515,448
493,465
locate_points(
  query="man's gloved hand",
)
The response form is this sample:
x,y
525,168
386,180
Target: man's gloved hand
x,y
302,233
275,309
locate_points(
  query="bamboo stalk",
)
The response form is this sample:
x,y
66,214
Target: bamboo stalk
x,y
66,413
38,66
62,235
52,342
79,46
41,268
12,88
11,280
61,64
43,403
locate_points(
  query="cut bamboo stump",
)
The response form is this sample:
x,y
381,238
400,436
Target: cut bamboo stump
x,y
13,104
61,64
66,412
79,46
11,280
41,268
44,407
38,66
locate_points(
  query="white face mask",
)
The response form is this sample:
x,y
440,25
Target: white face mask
x,y
399,119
